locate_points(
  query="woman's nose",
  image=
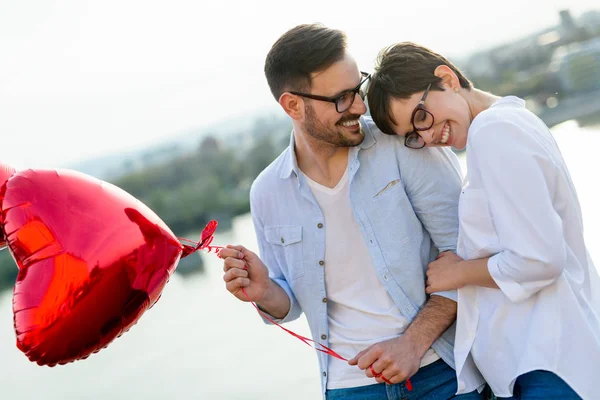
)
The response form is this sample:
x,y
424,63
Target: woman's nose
x,y
427,135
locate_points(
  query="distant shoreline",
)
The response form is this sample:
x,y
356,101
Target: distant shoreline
x,y
583,107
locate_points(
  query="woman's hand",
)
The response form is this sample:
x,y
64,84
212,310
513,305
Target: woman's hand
x,y
445,273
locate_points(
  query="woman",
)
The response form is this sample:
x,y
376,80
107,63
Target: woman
x,y
528,317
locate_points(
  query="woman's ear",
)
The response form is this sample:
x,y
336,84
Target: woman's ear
x,y
448,77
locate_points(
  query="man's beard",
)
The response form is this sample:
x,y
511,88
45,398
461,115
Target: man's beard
x,y
333,136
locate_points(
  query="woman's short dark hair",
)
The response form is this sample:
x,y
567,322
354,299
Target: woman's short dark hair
x,y
298,53
402,70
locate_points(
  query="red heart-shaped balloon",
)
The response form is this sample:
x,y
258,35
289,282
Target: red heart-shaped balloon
x,y
92,259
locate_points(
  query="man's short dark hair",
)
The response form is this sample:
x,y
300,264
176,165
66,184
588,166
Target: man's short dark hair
x,y
298,53
402,70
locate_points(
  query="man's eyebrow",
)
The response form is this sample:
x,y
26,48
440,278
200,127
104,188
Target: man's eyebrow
x,y
349,90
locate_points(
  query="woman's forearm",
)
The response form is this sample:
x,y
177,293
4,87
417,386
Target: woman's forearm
x,y
475,272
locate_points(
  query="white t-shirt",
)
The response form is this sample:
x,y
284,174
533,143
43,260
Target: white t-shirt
x,y
360,311
519,206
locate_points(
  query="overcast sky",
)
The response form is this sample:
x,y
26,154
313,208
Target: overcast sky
x,y
81,78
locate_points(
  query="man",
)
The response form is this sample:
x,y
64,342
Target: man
x,y
347,220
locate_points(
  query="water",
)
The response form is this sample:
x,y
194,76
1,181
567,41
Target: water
x,y
198,342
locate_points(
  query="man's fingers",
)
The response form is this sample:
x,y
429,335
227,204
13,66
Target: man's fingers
x,y
370,372
235,285
395,375
234,273
378,366
230,252
244,251
354,360
368,358
231,262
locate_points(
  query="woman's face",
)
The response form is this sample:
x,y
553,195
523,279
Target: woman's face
x,y
450,122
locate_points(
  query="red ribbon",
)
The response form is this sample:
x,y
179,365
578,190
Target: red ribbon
x,y
204,244
317,346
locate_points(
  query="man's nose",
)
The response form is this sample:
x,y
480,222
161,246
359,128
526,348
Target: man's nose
x,y
358,106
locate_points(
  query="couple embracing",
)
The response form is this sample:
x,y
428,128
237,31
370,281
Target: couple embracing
x,y
366,225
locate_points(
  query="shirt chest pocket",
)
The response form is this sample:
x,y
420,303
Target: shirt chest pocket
x,y
477,235
287,246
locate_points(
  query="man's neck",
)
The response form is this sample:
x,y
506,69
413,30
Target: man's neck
x,y
322,162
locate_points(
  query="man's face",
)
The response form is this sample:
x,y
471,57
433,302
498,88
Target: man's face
x,y
321,120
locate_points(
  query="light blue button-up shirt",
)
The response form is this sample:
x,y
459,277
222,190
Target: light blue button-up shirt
x,y
406,204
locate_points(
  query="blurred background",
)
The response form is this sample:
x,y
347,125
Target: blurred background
x,y
168,101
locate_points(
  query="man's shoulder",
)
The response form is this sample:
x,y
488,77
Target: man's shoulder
x,y
370,126
384,142
271,175
406,157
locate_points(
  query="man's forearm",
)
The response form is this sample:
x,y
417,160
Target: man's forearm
x,y
275,301
431,322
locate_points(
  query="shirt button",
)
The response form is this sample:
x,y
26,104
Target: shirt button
x,y
323,337
324,373
282,241
321,262
324,299
319,225
385,278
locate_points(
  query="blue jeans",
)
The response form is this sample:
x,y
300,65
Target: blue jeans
x,y
436,381
542,385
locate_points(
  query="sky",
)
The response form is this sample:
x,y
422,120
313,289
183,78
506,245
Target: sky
x,y
85,78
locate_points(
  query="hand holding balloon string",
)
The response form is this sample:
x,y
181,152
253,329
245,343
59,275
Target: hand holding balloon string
x,y
205,244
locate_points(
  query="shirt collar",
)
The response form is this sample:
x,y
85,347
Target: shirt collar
x,y
290,163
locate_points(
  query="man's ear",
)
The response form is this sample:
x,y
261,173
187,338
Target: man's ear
x,y
292,104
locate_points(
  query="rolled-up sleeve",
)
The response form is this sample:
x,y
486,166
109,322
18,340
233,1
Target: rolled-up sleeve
x,y
267,256
519,178
432,178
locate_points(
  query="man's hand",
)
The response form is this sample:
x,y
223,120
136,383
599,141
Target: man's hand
x,y
395,360
244,269
400,358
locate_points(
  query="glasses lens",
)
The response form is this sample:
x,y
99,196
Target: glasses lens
x,y
414,141
422,120
344,102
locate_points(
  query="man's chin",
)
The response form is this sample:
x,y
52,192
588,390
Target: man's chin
x,y
354,139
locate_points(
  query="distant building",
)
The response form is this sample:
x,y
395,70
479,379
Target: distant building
x,y
578,66
590,20
535,51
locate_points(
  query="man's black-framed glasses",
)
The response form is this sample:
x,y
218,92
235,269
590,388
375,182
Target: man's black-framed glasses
x,y
422,120
344,100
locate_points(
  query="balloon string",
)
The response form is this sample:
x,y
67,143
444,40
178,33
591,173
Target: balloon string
x,y
316,345
202,245
205,244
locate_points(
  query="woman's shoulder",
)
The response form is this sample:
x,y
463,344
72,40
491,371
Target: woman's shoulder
x,y
508,114
503,110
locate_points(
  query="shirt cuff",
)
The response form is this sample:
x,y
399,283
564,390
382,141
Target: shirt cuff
x,y
512,289
449,294
288,317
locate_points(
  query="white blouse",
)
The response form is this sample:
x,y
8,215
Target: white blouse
x,y
519,206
